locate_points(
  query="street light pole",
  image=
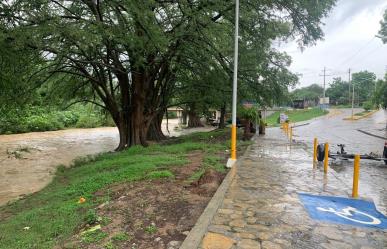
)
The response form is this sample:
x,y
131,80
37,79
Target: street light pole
x,y
353,97
233,158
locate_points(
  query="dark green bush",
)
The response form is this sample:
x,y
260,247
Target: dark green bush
x,y
91,217
367,105
37,118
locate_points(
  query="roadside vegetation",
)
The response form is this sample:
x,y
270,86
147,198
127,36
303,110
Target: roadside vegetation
x,y
362,113
51,216
370,92
40,118
296,115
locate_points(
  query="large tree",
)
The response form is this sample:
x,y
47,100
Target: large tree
x,y
124,55
365,85
380,97
383,29
338,92
312,92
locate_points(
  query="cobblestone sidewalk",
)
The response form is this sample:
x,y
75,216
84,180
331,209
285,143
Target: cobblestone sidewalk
x,y
261,208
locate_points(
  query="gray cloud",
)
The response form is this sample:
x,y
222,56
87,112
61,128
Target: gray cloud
x,y
349,42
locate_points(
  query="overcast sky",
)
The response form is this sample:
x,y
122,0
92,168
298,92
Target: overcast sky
x,y
349,42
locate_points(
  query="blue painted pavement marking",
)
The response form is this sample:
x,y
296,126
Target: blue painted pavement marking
x,y
343,211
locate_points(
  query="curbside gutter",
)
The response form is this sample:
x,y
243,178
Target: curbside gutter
x,y
360,117
195,236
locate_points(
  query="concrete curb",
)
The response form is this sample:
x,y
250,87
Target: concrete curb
x,y
195,236
360,117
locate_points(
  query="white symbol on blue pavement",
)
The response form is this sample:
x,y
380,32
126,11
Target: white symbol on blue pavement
x,y
349,213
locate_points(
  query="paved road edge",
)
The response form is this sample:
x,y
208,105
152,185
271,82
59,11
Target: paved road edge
x,y
361,117
195,236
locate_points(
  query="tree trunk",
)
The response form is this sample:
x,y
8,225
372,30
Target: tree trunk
x,y
247,127
139,121
155,132
194,120
184,117
222,124
123,134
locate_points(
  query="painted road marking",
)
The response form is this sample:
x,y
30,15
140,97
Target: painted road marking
x,y
343,211
348,212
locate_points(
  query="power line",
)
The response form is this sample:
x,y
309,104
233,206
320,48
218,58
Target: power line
x,y
367,55
324,75
356,53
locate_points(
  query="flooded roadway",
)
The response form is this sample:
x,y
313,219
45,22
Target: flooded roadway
x,y
28,161
333,129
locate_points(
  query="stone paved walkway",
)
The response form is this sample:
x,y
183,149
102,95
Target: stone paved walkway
x,y
261,208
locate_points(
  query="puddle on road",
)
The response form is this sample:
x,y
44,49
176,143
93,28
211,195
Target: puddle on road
x,y
28,161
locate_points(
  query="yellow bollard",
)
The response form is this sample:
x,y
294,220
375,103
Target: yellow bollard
x,y
233,141
315,150
290,133
326,148
356,173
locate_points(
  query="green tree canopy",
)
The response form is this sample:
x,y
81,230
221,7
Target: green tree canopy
x,y
339,92
364,83
312,92
125,55
383,28
380,97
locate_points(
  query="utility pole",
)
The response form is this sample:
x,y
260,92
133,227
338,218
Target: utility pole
x,y
349,85
353,97
231,161
324,75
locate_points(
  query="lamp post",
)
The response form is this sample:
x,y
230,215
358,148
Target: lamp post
x,y
233,158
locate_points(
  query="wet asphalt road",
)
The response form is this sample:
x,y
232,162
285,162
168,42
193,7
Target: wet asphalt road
x,y
333,129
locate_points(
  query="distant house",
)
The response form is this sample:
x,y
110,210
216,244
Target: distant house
x,y
303,103
177,110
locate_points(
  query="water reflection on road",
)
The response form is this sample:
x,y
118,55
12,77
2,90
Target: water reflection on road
x,y
28,161
333,129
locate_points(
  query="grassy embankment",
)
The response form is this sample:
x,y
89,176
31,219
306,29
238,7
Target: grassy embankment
x,y
51,216
296,115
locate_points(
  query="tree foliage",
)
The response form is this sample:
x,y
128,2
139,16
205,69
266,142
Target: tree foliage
x,y
339,92
380,97
312,92
364,83
383,29
126,55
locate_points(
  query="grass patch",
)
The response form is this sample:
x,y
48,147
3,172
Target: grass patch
x,y
296,115
93,237
362,113
160,174
53,215
341,106
151,229
121,237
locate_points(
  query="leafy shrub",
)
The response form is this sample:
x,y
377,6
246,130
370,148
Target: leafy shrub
x,y
367,105
37,118
121,236
91,217
68,118
88,121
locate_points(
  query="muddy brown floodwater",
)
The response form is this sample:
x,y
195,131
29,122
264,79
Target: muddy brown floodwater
x,y
28,161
